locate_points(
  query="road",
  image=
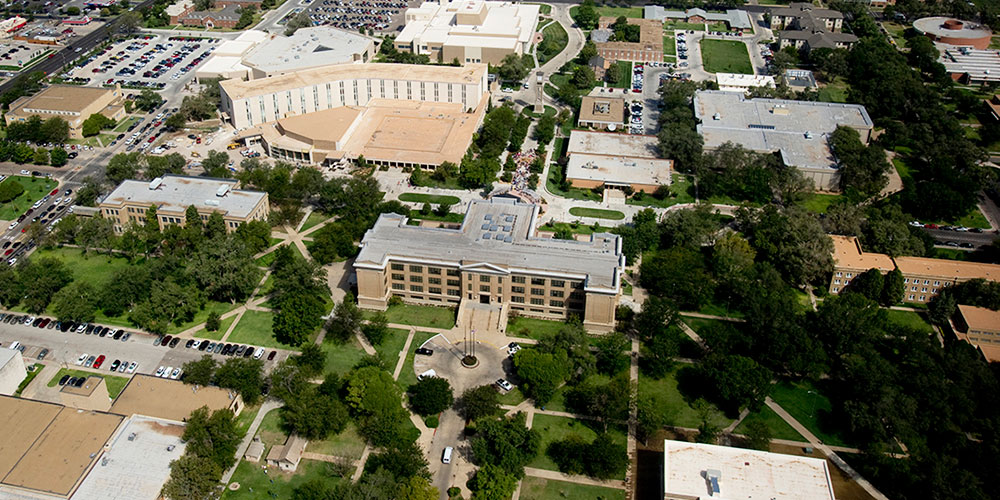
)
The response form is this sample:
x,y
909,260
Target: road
x,y
976,239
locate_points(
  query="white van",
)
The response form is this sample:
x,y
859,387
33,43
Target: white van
x,y
428,373
446,456
15,345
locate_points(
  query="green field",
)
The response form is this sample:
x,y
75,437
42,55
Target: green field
x,y
407,376
552,183
391,346
542,8
557,34
125,124
725,56
254,328
804,402
671,25
431,316
552,428
910,319
835,91
216,335
533,328
819,203
779,428
536,488
596,213
673,404
256,484
115,384
347,444
433,199
680,186
974,218
313,219
579,228
340,358
34,189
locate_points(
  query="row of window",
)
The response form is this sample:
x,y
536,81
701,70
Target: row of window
x,y
916,281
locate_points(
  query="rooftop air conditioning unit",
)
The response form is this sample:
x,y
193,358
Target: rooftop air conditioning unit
x,y
717,116
222,191
155,183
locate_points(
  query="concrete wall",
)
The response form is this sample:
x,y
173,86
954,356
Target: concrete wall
x,y
11,374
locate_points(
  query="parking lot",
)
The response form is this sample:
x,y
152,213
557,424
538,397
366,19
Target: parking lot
x,y
156,62
82,349
378,15
47,212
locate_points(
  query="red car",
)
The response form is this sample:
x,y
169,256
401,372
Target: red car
x,y
100,359
8,252
54,192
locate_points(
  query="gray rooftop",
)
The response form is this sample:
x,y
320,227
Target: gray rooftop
x,y
980,65
735,18
136,464
176,192
798,129
229,12
497,235
308,47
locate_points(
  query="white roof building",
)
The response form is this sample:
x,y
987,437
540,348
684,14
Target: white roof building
x,y
705,471
738,82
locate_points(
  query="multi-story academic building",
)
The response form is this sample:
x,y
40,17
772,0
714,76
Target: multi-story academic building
x,y
173,194
70,102
494,258
923,278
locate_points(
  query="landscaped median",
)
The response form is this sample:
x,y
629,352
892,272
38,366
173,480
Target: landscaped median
x,y
115,384
434,199
597,213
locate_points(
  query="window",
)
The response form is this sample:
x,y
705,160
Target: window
x,y
434,281
836,289
517,289
906,280
538,281
454,283
398,286
923,290
453,272
416,269
558,283
921,298
455,293
434,270
850,275
397,276
836,282
537,291
927,282
485,278
556,293
937,283
416,288
538,302
417,279
519,300
484,288
397,267
839,274
911,297
556,303
517,279
434,290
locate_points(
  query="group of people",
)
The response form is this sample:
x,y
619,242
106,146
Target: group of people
x,y
523,161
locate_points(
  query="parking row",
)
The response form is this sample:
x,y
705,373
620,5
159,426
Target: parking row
x,y
352,15
145,62
210,347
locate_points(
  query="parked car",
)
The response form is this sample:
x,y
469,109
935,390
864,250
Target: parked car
x,y
99,361
64,379
503,384
423,351
173,343
270,357
42,354
82,359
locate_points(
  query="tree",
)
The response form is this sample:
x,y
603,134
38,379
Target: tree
x,y
506,443
246,17
583,77
87,195
417,488
541,373
225,270
430,396
606,459
611,357
691,228
147,100
682,143
869,283
345,321
213,322
123,166
212,435
606,401
94,123
58,157
301,20
10,190
545,129
758,435
297,317
41,156
374,398
332,241
314,415
76,302
659,352
192,478
243,375
649,417
402,460
586,16
176,121
864,171
256,235
54,130
512,68
892,288
738,382
492,483
41,279
376,329
11,289
679,274
479,402
201,371
791,239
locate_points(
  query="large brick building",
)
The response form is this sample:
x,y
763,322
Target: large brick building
x,y
649,48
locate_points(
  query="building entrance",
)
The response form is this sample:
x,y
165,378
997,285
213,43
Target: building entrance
x,y
484,299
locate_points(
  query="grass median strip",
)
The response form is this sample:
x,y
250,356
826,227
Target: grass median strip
x,y
115,384
429,198
597,213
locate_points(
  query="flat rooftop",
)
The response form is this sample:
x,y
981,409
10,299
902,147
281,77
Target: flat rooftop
x,y
468,74
85,390
167,399
616,159
980,65
847,252
742,474
177,192
632,146
742,80
137,462
497,235
55,445
980,318
602,108
953,29
798,129
308,47
66,98
503,26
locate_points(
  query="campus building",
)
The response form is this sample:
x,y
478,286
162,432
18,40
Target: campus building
x,y
923,278
494,258
798,130
601,111
71,103
693,471
173,194
391,114
736,20
649,48
980,327
12,370
256,54
739,82
952,31
223,14
970,66
469,31
806,27
616,161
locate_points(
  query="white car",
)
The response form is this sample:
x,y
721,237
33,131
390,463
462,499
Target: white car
x,y
176,373
12,225
503,384
159,371
29,320
82,359
25,172
507,90
81,328
259,354
131,367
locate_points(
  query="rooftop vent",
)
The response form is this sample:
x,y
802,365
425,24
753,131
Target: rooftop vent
x,y
222,191
713,476
213,203
155,183
809,135
131,437
717,116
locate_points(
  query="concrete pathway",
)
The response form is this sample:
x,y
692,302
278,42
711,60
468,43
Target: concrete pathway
x,y
630,443
265,407
402,354
692,314
361,463
693,335
559,476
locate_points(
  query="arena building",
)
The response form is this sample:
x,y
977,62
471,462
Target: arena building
x,y
954,32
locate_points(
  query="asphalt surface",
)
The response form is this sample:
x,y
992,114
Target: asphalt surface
x,y
976,239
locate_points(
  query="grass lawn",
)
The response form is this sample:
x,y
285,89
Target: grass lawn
x,y
819,203
126,123
391,346
245,418
512,397
680,187
974,218
682,25
533,328
255,483
407,376
553,429
672,403
340,358
33,371
835,91
633,12
267,286
557,33
995,43
415,217
719,310
949,254
255,328
347,444
669,46
34,189
434,317
433,199
216,335
575,228
701,325
115,384
596,213
313,219
543,8
910,319
536,488
573,193
805,403
725,56
779,428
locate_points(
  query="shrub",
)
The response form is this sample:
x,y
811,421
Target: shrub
x,y
10,190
